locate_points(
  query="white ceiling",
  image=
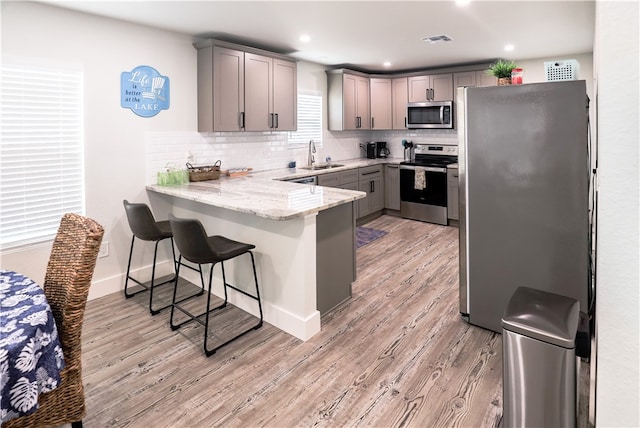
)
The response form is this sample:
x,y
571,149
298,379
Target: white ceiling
x,y
364,34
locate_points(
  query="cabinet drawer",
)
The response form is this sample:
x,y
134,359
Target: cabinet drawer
x,y
350,176
370,172
329,180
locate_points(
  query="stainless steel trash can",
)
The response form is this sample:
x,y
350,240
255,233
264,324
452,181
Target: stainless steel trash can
x,y
539,360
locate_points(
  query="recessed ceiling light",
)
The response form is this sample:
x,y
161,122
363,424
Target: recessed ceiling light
x,y
463,2
305,38
509,47
387,64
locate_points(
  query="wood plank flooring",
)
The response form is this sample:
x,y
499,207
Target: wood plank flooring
x,y
397,354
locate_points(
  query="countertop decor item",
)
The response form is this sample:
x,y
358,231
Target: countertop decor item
x,y
202,173
502,70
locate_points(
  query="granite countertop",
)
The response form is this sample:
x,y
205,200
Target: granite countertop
x,y
293,173
267,194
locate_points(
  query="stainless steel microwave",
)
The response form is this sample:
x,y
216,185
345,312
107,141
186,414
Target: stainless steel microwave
x,y
430,114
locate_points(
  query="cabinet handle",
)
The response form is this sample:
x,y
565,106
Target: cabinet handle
x,y
433,94
270,120
393,166
405,121
277,121
371,186
372,124
241,119
426,94
369,173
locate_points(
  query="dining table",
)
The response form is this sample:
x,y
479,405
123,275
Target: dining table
x,y
31,357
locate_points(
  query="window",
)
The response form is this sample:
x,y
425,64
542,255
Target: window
x,y
41,151
309,121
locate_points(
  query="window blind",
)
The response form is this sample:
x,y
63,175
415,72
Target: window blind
x,y
41,151
309,121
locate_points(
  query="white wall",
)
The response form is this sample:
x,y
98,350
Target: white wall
x,y
617,298
114,137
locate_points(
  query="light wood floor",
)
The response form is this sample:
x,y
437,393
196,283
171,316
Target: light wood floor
x,y
396,354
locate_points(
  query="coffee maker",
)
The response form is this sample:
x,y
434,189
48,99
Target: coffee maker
x,y
381,149
371,149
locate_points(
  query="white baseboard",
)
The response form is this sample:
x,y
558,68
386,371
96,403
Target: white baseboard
x,y
302,328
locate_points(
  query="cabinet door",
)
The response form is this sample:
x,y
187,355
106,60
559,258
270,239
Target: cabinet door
x,y
363,111
419,88
484,79
442,87
285,96
392,187
474,78
381,103
363,204
376,197
400,96
258,92
228,90
464,78
349,97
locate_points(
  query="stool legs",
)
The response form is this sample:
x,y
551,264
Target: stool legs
x,y
152,284
210,351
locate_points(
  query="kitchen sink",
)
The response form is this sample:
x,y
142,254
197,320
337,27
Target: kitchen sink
x,y
321,166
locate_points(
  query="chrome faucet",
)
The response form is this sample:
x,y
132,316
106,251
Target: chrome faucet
x,y
312,150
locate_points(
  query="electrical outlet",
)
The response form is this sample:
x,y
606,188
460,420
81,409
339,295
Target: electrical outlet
x,y
104,250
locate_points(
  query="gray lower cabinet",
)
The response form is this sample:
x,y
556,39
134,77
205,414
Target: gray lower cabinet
x,y
342,180
453,203
392,187
335,256
371,182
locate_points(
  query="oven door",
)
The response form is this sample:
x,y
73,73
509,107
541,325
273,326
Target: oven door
x,y
432,192
426,201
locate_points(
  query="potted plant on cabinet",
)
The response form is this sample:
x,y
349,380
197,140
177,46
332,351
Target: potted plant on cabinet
x,y
502,70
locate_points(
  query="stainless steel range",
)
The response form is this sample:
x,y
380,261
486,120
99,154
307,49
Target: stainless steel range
x,y
423,183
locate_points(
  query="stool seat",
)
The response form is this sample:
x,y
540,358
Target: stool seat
x,y
145,227
195,246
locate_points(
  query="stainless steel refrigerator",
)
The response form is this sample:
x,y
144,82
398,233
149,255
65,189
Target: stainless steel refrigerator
x,y
524,195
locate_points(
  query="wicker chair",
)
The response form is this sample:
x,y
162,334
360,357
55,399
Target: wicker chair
x,y
66,285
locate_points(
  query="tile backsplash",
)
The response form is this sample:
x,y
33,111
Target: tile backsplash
x,y
269,150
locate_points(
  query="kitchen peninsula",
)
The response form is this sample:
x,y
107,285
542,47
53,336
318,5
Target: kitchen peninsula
x,y
304,237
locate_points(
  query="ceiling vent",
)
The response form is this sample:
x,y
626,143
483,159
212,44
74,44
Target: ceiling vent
x,y
437,39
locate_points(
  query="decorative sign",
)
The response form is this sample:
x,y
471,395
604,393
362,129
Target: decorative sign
x,y
144,91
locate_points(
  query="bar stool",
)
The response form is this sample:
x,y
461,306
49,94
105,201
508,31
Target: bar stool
x,y
145,227
195,246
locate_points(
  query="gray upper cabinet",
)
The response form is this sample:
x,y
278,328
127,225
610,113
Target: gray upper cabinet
x,y
220,89
400,97
381,103
436,87
473,78
348,101
270,94
245,89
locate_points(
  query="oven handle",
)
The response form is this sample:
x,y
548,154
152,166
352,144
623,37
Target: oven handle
x,y
426,168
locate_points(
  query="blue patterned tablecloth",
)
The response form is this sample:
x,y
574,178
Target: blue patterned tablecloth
x,y
30,353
